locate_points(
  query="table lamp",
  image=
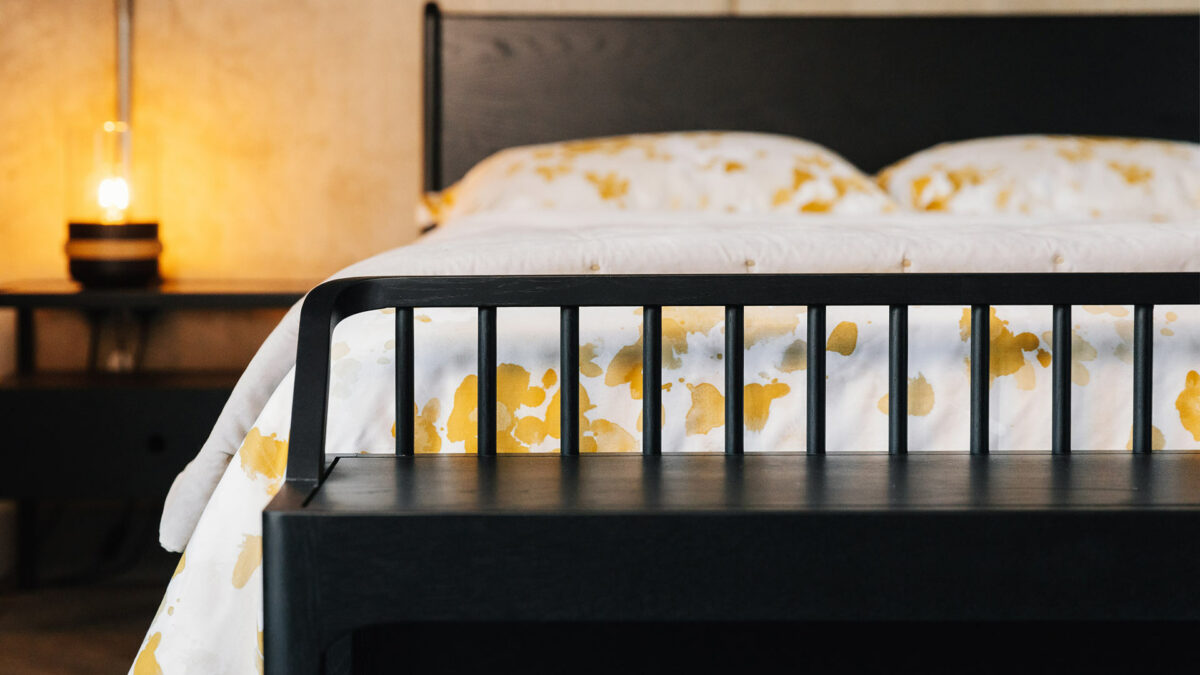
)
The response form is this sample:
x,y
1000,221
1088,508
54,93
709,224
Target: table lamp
x,y
112,234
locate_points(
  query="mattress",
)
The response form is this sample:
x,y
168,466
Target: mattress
x,y
210,620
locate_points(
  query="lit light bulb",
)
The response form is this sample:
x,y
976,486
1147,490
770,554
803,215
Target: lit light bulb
x,y
113,196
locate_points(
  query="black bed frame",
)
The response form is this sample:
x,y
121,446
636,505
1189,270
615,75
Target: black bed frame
x,y
363,542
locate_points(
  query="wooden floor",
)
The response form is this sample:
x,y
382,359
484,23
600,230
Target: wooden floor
x,y
74,630
102,577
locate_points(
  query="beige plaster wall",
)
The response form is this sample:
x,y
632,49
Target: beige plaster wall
x,y
289,130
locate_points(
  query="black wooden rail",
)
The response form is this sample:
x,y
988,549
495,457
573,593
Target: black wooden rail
x,y
329,303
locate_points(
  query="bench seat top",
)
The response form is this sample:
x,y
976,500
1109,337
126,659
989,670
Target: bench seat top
x,y
785,482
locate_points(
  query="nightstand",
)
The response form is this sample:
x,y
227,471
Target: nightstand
x,y
94,434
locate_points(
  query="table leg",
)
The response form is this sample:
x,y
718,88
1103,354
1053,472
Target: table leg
x,y
26,543
26,339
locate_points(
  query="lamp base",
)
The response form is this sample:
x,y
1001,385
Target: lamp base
x,y
113,256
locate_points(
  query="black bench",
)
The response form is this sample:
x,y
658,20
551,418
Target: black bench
x,y
772,537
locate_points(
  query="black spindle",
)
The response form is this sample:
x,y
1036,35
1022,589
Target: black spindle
x,y
1143,370
735,345
651,380
1060,441
568,388
981,335
405,398
486,401
898,380
816,379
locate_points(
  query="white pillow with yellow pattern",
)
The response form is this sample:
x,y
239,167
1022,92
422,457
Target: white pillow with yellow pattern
x,y
734,172
1069,176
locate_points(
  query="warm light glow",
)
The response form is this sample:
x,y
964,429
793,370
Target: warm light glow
x,y
113,196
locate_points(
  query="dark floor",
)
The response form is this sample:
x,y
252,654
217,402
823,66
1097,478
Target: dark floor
x,y
74,630
102,577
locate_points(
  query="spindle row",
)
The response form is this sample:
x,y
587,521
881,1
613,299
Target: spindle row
x,y
734,379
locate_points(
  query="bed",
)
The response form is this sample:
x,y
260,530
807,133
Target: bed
x,y
770,527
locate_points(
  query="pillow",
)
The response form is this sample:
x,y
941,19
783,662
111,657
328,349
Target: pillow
x,y
731,172
1070,176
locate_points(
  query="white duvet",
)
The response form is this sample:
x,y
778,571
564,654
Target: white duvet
x,y
210,619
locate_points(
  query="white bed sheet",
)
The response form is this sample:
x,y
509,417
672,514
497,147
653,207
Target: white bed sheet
x,y
210,614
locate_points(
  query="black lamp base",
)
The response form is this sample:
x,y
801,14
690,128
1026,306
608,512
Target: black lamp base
x,y
114,256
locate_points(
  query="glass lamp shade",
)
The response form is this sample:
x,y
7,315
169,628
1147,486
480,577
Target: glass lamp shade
x,y
112,207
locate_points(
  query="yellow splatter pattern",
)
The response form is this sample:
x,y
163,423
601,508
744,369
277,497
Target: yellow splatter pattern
x,y
1044,357
707,411
1123,349
264,456
600,435
1188,404
934,191
1132,173
1079,150
461,425
610,185
1074,177
677,323
795,357
550,172
147,659
1008,349
249,559
426,439
258,657
520,432
1157,440
769,323
626,368
709,172
1114,310
756,403
843,338
587,360
1166,330
608,437
920,397
1082,352
434,207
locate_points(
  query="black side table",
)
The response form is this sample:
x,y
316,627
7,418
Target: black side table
x,y
93,434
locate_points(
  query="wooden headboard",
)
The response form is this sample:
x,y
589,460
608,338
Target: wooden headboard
x,y
871,88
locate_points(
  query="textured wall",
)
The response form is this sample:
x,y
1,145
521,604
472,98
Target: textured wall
x,y
56,65
288,130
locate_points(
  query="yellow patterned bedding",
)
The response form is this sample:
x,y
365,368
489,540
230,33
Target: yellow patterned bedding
x,y
210,618
700,171
1066,176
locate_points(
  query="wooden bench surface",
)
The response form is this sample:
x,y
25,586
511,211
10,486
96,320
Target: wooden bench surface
x,y
758,482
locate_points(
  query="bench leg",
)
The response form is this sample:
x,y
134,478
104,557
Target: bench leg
x,y
283,653
290,646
